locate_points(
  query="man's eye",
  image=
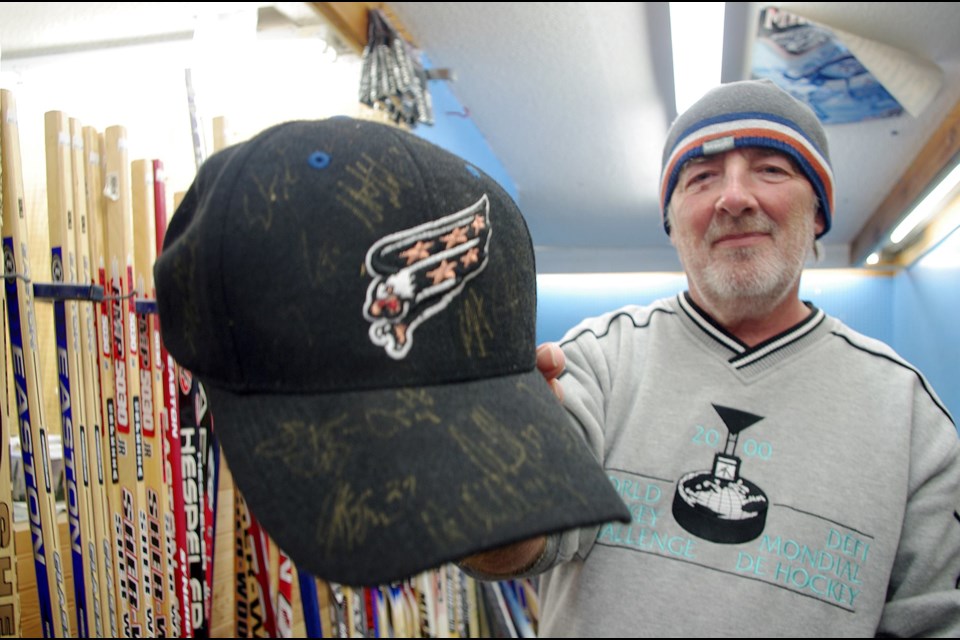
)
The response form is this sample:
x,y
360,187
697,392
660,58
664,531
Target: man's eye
x,y
698,176
774,169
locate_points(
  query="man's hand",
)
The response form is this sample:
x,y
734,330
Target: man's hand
x,y
551,362
507,561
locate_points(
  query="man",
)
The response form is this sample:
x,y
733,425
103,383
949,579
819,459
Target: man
x,y
786,475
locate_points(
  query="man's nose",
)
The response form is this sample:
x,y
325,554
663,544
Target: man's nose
x,y
736,197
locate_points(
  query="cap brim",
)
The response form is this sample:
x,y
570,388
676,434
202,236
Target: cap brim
x,y
369,487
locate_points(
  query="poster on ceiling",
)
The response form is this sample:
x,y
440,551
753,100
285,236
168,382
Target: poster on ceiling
x,y
812,62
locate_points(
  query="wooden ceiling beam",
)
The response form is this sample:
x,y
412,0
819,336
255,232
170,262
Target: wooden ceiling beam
x,y
940,149
349,19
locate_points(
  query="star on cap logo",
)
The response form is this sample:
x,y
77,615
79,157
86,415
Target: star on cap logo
x,y
418,271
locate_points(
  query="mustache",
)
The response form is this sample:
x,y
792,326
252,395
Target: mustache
x,y
739,225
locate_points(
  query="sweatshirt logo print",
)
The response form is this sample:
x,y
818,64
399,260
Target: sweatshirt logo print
x,y
720,505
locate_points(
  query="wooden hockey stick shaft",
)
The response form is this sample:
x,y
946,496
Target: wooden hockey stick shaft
x,y
151,392
119,216
108,468
41,507
9,594
182,619
93,476
63,269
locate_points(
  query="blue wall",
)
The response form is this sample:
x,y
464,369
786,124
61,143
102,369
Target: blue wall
x,y
453,130
563,299
860,299
926,310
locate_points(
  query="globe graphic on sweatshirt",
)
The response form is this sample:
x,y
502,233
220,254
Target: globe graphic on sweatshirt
x,y
720,505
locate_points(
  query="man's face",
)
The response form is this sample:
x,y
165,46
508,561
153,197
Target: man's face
x,y
743,222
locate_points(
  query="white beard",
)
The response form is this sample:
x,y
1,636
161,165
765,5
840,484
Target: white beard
x,y
748,281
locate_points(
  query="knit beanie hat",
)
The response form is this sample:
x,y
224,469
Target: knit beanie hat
x,y
751,113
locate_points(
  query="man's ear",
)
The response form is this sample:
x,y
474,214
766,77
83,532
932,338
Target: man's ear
x,y
819,223
668,215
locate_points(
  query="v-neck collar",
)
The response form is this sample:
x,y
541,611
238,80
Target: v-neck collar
x,y
738,353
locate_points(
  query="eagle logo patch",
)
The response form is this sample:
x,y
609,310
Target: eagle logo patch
x,y
418,271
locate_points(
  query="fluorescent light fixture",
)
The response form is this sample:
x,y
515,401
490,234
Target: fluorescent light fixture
x,y
873,258
927,207
696,31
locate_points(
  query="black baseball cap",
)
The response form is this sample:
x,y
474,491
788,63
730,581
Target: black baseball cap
x,y
360,306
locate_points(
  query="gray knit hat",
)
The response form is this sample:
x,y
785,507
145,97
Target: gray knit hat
x,y
751,113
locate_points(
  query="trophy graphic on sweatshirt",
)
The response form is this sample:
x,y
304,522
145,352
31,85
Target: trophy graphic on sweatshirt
x,y
721,505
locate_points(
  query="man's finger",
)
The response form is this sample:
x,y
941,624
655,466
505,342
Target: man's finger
x,y
550,360
550,363
557,389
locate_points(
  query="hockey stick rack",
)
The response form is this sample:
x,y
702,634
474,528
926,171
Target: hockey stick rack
x,y
55,291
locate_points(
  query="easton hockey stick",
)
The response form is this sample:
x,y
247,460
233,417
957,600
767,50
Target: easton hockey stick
x,y
41,507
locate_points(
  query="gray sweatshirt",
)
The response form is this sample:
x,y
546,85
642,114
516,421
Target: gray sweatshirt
x,y
807,486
